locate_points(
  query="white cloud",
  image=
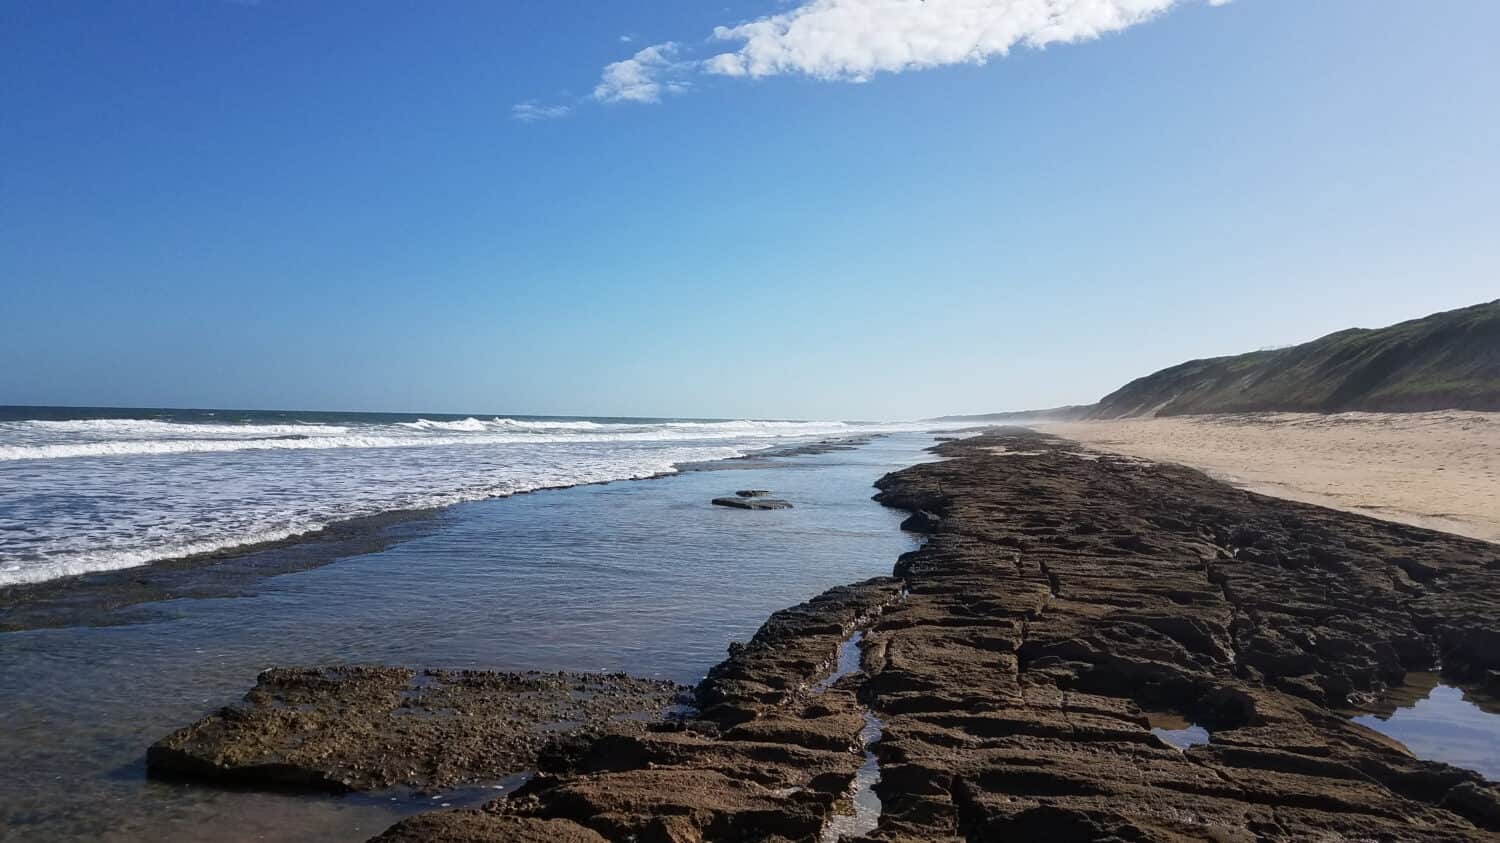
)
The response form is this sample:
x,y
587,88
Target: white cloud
x,y
853,40
644,76
531,111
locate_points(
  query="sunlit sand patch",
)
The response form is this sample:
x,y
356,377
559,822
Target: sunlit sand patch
x,y
1436,470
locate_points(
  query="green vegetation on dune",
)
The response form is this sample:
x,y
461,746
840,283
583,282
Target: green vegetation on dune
x,y
1072,412
1448,360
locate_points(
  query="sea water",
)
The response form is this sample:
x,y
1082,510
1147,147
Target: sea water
x,y
1441,722
85,490
646,577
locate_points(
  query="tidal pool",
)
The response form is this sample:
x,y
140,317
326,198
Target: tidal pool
x,y
1176,729
1441,722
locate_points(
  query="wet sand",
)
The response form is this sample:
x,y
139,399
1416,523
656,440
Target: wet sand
x,y
1436,470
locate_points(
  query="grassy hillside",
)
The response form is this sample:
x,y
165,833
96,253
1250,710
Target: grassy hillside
x,y
1071,412
1447,360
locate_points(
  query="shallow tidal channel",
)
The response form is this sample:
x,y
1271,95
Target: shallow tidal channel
x,y
644,577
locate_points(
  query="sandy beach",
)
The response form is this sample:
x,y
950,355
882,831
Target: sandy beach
x,y
1438,470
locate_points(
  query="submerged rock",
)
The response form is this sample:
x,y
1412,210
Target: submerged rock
x,y
369,728
766,758
752,503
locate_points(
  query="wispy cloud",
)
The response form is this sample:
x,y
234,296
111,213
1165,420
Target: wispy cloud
x,y
532,111
645,76
853,40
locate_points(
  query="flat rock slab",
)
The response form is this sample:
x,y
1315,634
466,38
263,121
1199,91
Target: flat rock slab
x,y
1013,659
769,758
753,493
370,728
752,503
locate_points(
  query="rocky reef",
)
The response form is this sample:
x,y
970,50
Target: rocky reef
x,y
1063,594
1014,663
358,728
770,755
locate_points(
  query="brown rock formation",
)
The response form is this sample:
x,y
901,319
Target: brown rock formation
x,y
369,728
1012,661
771,756
1062,593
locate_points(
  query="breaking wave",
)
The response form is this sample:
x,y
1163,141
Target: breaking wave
x,y
88,494
44,440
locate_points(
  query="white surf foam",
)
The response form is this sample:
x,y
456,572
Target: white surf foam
x,y
39,440
103,494
254,528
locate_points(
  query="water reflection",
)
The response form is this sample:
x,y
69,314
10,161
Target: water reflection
x,y
1176,729
862,815
1440,722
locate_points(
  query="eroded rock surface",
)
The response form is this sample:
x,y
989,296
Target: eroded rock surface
x,y
1062,593
770,757
1011,662
1059,597
370,728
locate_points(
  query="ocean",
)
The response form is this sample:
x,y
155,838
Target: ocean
x,y
97,489
645,577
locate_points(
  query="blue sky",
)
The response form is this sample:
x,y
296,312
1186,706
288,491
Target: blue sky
x,y
337,205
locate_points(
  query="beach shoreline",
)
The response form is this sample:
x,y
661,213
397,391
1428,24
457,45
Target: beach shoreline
x,y
619,577
1013,667
102,598
1438,470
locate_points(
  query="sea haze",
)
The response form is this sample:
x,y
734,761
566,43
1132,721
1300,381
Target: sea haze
x,y
88,489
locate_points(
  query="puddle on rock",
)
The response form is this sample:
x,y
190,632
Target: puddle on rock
x,y
848,662
1176,729
864,813
461,796
1439,722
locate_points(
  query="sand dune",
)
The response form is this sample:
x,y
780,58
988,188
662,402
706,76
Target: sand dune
x,y
1439,470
